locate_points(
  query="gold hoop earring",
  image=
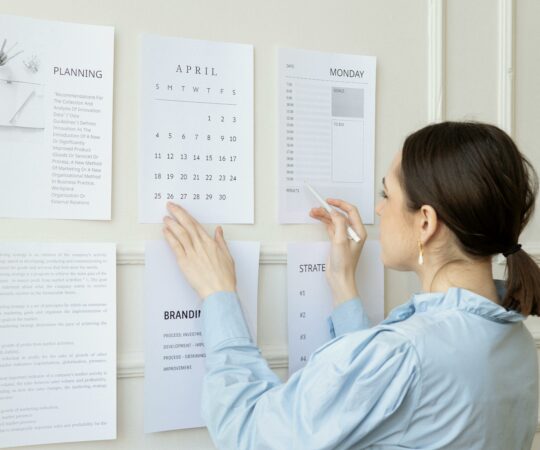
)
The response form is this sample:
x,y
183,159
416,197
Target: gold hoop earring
x,y
420,253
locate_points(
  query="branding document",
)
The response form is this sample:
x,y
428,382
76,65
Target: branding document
x,y
56,93
57,343
326,131
196,143
174,348
310,297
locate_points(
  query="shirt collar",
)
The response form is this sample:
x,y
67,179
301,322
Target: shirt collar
x,y
459,299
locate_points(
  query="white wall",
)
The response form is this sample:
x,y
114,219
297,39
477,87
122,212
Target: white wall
x,y
436,60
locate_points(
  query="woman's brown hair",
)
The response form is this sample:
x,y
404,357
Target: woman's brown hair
x,y
484,190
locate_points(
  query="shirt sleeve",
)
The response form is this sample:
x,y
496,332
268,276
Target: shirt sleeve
x,y
348,317
356,390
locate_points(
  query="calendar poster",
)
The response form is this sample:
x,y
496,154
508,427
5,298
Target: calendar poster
x,y
310,297
326,131
196,145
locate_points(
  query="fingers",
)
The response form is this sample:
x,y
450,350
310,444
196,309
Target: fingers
x,y
176,246
179,233
352,212
183,218
340,227
336,222
221,240
193,227
320,214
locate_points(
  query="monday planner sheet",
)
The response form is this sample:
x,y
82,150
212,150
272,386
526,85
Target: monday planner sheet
x,y
196,144
326,131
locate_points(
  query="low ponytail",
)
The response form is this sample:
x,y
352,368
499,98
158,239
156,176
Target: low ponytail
x,y
522,284
484,190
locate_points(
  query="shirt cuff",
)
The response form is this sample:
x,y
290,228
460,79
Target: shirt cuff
x,y
348,317
222,319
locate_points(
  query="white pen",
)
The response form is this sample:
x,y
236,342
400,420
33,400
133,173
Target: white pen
x,y
12,120
352,234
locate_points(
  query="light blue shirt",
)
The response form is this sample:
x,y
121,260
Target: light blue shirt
x,y
447,370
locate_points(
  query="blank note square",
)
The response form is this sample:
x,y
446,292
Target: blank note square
x,y
347,102
347,151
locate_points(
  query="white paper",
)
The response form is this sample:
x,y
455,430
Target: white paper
x,y
56,120
172,379
326,131
57,343
310,297
196,129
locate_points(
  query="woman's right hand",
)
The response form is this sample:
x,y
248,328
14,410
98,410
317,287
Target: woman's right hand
x,y
344,253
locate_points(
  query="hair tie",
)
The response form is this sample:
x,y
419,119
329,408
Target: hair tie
x,y
515,248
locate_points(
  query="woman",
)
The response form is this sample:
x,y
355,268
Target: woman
x,y
453,368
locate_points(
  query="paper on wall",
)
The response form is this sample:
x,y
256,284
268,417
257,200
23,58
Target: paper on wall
x,y
326,131
57,343
310,297
55,119
174,349
196,129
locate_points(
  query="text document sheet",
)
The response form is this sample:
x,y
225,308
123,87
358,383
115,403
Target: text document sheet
x,y
310,297
174,349
326,131
56,105
196,133
57,343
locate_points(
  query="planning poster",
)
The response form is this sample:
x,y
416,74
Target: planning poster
x,y
174,347
56,85
310,297
57,343
326,131
196,142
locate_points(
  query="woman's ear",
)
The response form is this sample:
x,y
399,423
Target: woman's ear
x,y
427,223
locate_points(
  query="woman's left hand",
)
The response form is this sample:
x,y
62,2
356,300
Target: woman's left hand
x,y
205,262
344,252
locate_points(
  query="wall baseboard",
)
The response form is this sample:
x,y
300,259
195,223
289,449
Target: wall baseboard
x,y
133,254
131,364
